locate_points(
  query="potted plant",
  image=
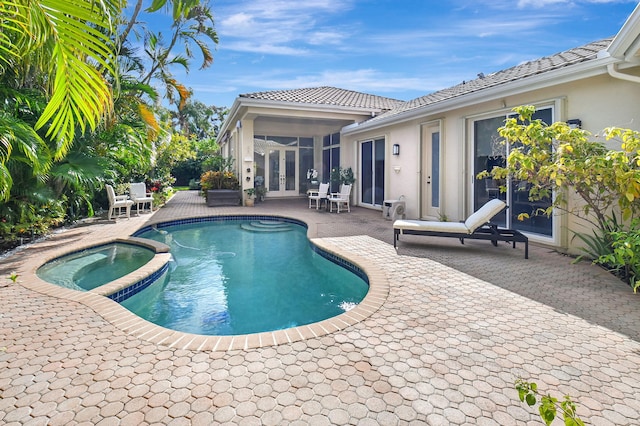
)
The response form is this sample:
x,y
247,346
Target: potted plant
x,y
249,200
346,176
261,191
340,176
220,187
334,179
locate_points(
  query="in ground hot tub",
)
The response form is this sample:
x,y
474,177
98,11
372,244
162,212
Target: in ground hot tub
x,y
93,267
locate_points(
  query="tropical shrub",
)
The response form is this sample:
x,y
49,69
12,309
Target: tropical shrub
x,y
346,176
340,176
624,258
555,158
194,184
557,161
219,180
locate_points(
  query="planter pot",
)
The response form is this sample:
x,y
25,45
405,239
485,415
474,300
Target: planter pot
x,y
223,197
248,202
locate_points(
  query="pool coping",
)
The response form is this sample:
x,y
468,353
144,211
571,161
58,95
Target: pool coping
x,y
134,325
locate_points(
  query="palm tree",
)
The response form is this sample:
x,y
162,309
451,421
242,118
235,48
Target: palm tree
x,y
192,25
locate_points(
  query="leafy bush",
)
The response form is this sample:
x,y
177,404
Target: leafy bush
x,y
219,180
624,257
342,176
554,158
194,184
600,243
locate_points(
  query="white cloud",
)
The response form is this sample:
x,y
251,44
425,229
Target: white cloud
x,y
323,38
264,48
279,26
366,80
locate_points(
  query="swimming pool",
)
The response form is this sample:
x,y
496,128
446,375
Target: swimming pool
x,y
236,275
93,267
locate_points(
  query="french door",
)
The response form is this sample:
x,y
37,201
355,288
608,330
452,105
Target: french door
x,y
431,183
282,172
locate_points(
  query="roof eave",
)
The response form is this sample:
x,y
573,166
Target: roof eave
x,y
308,106
626,43
563,75
241,102
232,113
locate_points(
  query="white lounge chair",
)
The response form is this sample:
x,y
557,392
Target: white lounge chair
x,y
340,199
318,195
118,202
140,196
476,227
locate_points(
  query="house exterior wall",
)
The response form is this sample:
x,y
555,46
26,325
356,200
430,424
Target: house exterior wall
x,y
280,120
599,101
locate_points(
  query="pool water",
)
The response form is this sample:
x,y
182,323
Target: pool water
x,y
241,277
91,268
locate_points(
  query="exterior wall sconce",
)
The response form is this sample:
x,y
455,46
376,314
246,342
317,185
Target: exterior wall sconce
x,y
396,149
575,123
248,169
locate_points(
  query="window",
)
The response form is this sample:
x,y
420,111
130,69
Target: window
x,y
330,156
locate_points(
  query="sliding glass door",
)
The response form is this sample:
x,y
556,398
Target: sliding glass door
x,y
490,151
372,159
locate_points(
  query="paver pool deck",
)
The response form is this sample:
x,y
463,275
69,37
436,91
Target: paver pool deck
x,y
459,325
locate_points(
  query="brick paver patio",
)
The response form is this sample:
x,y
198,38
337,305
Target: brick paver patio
x,y
459,325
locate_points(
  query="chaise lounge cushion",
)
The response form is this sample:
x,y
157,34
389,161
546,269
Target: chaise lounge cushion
x,y
473,222
423,225
484,214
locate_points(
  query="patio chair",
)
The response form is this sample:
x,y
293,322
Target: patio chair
x,y
492,187
476,227
118,202
318,195
140,196
340,199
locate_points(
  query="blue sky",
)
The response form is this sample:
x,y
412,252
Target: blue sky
x,y
402,49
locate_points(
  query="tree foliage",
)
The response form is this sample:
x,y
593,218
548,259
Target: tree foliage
x,y
556,159
66,48
79,104
192,30
559,161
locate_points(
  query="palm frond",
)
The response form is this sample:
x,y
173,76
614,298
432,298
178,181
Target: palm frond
x,y
79,33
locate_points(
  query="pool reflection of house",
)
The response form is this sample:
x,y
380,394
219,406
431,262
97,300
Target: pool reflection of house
x,y
431,148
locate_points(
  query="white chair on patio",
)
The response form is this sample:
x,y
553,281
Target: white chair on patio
x,y
318,195
140,196
117,203
341,199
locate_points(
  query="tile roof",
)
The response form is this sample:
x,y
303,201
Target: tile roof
x,y
518,72
327,96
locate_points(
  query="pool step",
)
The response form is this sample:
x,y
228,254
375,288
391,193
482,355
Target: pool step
x,y
266,226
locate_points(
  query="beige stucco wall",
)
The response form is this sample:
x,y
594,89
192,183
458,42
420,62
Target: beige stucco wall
x,y
280,121
599,102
